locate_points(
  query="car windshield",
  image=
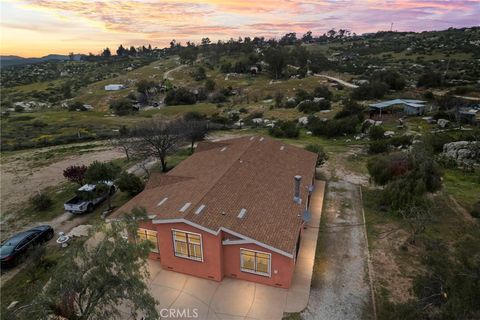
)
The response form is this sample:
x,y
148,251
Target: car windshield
x,y
6,248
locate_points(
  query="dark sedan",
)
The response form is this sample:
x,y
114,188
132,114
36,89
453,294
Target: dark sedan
x,y
17,245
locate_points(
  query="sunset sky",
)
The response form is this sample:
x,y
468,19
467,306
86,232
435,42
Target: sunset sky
x,y
39,27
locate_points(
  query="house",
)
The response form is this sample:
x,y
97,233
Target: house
x,y
114,87
234,208
407,106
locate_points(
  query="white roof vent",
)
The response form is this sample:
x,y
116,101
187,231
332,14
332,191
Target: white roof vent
x,y
199,209
251,138
282,148
223,149
261,139
162,202
185,207
242,213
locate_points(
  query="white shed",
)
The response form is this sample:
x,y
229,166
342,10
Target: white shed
x,y
114,87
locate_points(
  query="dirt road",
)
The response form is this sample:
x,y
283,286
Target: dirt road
x,y
19,181
342,82
166,75
341,289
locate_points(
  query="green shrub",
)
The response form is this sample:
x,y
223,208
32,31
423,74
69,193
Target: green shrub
x,y
77,105
378,146
376,133
210,85
430,80
41,201
318,149
384,169
218,97
130,183
122,106
437,141
322,92
285,129
475,212
309,106
401,141
180,96
375,89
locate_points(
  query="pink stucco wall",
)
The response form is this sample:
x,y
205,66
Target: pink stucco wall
x,y
218,260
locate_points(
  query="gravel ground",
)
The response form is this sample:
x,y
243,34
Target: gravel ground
x,y
341,290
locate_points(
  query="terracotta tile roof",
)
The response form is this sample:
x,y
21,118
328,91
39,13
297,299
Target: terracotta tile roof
x,y
251,173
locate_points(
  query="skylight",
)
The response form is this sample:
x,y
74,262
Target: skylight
x,y
251,138
185,207
242,213
199,209
223,149
261,139
162,202
282,148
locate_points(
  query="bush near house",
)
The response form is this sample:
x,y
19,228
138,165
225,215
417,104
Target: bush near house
x,y
320,151
41,201
130,183
334,127
285,129
407,177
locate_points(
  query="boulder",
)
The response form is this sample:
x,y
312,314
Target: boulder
x,y
303,120
462,151
443,123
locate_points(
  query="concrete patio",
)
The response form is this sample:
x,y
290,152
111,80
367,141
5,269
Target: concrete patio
x,y
238,299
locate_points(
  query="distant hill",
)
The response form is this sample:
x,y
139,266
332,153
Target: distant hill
x,y
6,61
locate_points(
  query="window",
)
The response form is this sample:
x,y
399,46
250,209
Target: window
x,y
149,235
187,245
255,262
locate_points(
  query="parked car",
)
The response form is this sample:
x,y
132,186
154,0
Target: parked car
x,y
17,245
88,197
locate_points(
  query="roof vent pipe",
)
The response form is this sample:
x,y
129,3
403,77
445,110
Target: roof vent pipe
x,y
296,196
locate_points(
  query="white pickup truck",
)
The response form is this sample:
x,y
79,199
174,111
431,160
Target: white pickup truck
x,y
87,198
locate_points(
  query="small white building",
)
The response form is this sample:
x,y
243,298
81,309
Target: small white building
x,y
114,87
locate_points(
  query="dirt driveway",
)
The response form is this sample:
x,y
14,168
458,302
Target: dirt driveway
x,y
19,180
341,289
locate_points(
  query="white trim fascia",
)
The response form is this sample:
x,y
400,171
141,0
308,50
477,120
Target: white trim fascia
x,y
190,223
193,224
232,242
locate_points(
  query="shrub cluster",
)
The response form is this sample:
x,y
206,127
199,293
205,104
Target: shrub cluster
x,y
285,129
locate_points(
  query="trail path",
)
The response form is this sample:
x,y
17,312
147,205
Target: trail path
x,y
345,83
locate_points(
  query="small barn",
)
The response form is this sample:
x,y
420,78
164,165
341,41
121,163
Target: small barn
x,y
405,106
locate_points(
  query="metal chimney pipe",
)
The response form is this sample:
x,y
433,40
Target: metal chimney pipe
x,y
296,196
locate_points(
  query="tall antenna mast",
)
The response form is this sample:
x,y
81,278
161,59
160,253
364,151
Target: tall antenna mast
x,y
391,27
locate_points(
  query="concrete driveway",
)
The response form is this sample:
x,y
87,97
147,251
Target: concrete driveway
x,y
190,297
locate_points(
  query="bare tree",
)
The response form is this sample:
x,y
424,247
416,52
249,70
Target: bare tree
x,y
124,144
194,131
156,138
417,219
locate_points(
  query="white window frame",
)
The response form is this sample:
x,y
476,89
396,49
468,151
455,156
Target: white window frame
x,y
154,250
269,274
183,256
